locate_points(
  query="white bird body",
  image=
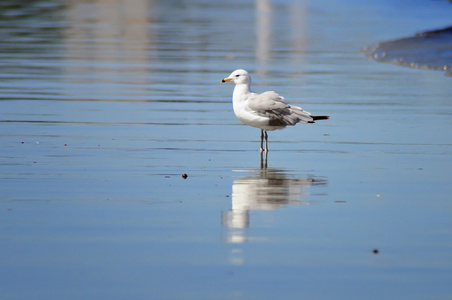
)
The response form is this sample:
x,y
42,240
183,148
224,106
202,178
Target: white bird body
x,y
245,114
266,111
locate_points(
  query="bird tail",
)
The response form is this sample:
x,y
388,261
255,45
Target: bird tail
x,y
315,118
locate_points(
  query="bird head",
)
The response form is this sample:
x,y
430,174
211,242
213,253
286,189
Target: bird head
x,y
238,77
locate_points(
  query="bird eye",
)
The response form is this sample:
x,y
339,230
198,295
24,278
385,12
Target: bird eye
x,y
237,75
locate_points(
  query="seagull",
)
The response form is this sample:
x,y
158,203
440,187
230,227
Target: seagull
x,y
266,111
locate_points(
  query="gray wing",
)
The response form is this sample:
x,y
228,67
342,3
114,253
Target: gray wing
x,y
272,105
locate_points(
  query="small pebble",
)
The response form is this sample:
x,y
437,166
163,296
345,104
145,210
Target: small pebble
x,y
184,176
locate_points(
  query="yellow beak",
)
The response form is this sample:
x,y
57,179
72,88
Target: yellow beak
x,y
226,79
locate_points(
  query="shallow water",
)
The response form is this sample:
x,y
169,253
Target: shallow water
x,y
431,50
104,105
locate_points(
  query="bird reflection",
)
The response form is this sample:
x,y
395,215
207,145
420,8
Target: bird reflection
x,y
264,156
263,189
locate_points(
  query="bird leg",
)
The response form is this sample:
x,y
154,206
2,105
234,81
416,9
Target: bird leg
x,y
266,141
264,135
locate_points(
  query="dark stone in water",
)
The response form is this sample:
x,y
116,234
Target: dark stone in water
x,y
430,50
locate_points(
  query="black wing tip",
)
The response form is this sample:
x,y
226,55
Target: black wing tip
x,y
315,118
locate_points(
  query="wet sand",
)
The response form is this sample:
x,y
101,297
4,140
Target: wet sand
x,y
104,110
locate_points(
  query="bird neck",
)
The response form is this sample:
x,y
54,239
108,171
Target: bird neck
x,y
240,90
